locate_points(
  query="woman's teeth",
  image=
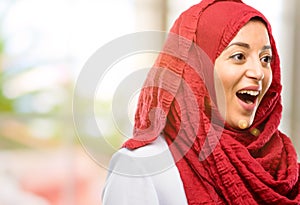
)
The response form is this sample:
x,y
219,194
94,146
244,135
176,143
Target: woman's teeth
x,y
248,96
249,92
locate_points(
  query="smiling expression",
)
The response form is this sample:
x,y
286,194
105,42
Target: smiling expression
x,y
243,74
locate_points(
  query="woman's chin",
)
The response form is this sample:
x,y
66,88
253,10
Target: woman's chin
x,y
241,124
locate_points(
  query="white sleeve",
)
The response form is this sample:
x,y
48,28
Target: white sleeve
x,y
126,184
144,176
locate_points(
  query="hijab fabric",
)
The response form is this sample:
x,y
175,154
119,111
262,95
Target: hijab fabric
x,y
217,164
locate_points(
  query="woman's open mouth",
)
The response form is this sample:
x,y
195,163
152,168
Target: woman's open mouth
x,y
248,98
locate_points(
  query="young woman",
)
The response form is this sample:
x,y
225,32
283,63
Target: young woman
x,y
206,127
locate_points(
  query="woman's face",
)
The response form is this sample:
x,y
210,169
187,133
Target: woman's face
x,y
243,75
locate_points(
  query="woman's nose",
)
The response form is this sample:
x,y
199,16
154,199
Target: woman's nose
x,y
255,70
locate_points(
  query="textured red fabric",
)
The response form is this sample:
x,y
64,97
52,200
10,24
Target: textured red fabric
x,y
217,164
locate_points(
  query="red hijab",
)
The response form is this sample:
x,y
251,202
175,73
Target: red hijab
x,y
217,164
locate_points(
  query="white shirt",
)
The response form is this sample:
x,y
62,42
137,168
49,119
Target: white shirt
x,y
147,175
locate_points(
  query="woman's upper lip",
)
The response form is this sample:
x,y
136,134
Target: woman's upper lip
x,y
252,87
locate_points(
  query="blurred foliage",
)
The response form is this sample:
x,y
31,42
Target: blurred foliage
x,y
6,105
1,46
15,127
36,86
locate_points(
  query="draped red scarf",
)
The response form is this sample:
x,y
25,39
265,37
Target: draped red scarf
x,y
217,164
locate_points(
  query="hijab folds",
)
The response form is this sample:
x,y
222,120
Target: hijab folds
x,y
217,164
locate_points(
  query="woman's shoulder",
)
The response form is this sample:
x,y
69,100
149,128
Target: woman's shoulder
x,y
147,174
156,147
148,160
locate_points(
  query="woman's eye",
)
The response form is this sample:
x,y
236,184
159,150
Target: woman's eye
x,y
266,59
238,57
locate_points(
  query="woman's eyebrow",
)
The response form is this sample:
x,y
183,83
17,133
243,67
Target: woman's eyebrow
x,y
245,45
267,47
241,44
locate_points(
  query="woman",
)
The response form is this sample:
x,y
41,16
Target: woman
x,y
206,127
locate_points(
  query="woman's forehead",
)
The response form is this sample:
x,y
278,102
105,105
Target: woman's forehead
x,y
251,34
